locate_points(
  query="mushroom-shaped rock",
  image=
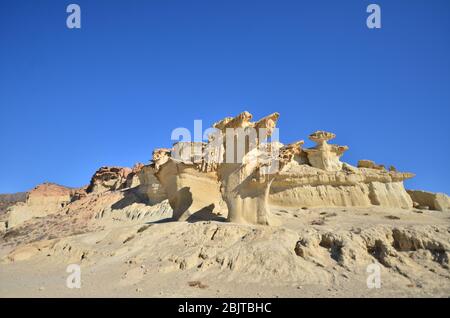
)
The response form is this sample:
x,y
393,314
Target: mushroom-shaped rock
x,y
321,136
323,155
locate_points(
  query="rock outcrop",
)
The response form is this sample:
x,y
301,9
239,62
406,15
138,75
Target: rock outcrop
x,y
139,183
430,200
325,156
133,179
108,178
370,165
45,199
146,184
189,190
78,194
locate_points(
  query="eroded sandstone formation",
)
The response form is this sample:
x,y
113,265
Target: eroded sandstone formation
x,y
245,181
201,173
325,156
200,177
306,186
108,178
147,186
239,173
317,177
430,200
189,189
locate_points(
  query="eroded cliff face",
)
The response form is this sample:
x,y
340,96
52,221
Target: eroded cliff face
x,y
306,186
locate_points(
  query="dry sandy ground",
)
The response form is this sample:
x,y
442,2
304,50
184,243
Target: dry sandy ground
x,y
315,252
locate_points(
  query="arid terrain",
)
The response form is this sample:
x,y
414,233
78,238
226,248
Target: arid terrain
x,y
196,226
316,252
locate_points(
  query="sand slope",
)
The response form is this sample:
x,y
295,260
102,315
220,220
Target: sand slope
x,y
315,252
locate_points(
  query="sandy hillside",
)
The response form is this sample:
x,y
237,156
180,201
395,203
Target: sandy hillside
x,y
315,252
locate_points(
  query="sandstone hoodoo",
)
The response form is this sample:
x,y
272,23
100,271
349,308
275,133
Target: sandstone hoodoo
x,y
325,156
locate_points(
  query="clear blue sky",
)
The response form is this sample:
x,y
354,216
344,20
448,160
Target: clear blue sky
x,y
74,100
